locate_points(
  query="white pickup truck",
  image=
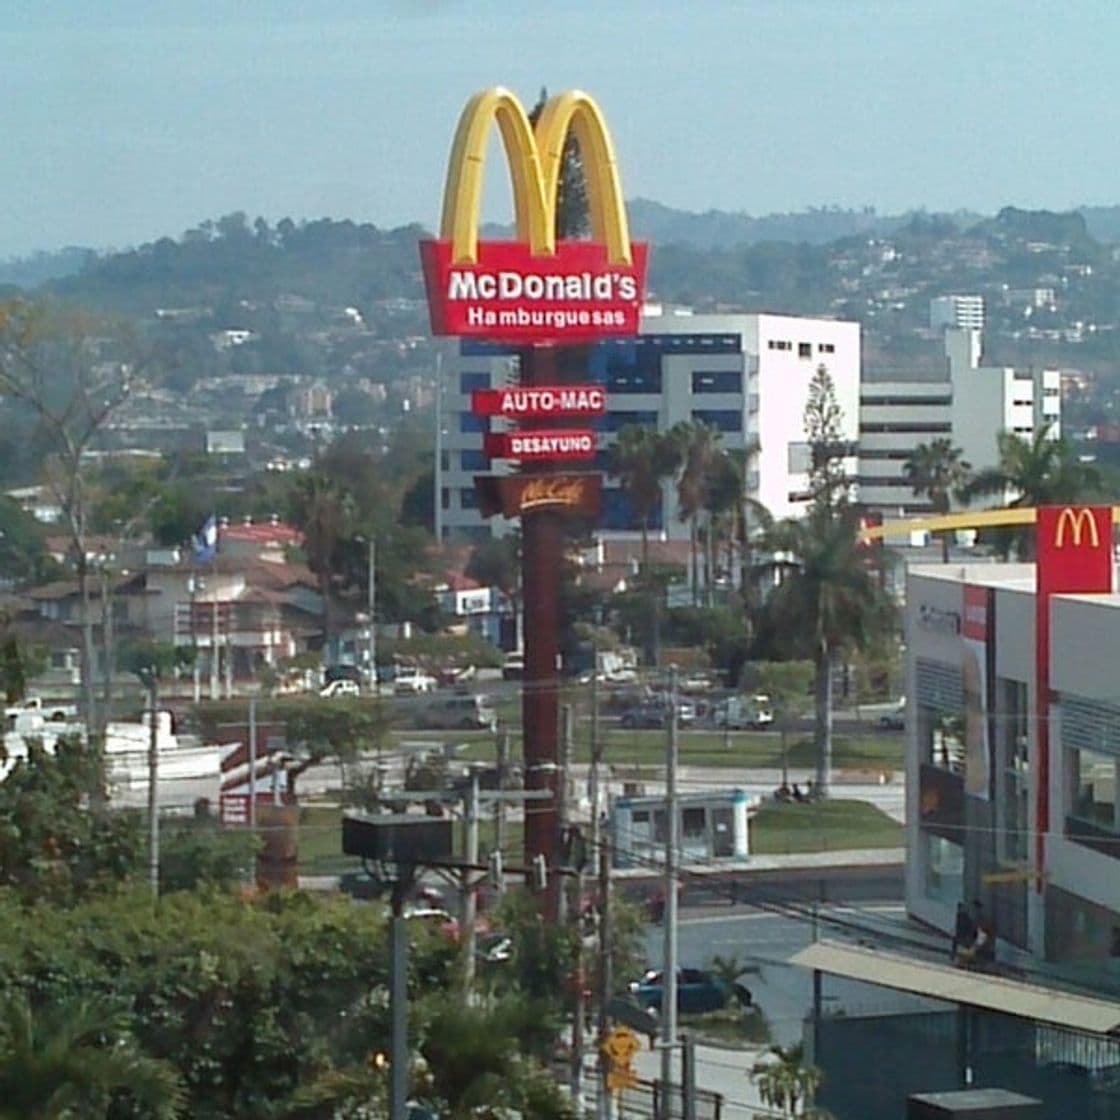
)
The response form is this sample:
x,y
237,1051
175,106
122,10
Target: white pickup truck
x,y
55,713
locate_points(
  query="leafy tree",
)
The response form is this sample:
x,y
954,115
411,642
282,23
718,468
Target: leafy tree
x,y
829,600
73,374
937,470
73,1058
51,846
824,420
323,510
785,1082
1039,471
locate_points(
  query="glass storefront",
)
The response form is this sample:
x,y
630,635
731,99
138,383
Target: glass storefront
x,y
944,863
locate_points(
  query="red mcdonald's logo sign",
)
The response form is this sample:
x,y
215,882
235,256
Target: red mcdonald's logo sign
x,y
536,288
518,494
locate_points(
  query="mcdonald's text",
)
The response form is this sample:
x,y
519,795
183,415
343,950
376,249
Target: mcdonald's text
x,y
544,400
509,295
574,443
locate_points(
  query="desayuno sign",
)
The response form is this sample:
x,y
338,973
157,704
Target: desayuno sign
x,y
536,288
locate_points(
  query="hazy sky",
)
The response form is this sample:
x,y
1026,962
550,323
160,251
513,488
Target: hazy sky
x,y
127,120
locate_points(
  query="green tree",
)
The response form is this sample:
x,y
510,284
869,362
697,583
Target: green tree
x,y
828,600
824,427
699,452
72,1059
324,510
1042,470
938,471
642,459
785,1082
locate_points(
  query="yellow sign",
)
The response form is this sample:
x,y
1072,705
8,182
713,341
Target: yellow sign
x,y
620,1046
967,519
1076,521
618,1079
535,160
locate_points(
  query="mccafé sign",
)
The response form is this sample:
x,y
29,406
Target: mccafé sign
x,y
545,400
535,288
514,495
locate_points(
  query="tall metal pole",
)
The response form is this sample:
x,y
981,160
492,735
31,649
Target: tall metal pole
x,y
672,848
438,472
606,974
499,802
153,786
398,1007
470,898
214,645
253,765
371,602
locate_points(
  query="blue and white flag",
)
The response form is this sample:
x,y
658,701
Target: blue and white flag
x,y
205,541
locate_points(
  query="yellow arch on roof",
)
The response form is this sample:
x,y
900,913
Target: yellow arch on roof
x,y
966,519
535,160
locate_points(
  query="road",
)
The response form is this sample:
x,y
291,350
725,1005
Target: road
x,y
765,942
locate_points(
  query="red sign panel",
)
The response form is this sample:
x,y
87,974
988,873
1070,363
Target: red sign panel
x,y
976,622
515,495
539,401
544,443
1074,549
509,295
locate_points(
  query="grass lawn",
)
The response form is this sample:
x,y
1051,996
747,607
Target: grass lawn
x,y
783,829
733,1028
741,749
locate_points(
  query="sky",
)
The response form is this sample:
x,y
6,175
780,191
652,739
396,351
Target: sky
x,y
123,121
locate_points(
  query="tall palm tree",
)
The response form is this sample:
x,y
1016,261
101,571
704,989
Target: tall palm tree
x,y
728,500
641,459
324,510
829,599
699,451
66,1061
1039,471
938,471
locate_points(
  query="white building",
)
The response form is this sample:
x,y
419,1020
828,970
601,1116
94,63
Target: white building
x,y
974,762
746,375
957,312
969,405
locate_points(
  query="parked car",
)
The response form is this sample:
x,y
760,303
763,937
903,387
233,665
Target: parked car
x,y
744,712
411,681
697,991
513,666
433,917
340,687
895,719
656,714
461,711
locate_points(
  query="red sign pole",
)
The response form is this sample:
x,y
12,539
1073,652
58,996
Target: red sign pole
x,y
1074,550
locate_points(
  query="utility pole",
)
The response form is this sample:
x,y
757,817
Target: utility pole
x,y
499,803
672,847
606,974
563,808
253,765
214,644
398,1004
153,784
371,600
470,898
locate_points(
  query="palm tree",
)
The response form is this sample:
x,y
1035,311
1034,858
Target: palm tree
x,y
784,1081
641,459
828,599
323,509
67,1061
728,499
1039,471
938,471
699,451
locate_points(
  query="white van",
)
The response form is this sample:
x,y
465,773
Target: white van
x,y
463,711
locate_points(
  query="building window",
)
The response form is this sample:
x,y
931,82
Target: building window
x,y
468,499
444,498
469,380
471,423
616,421
804,349
799,458
944,870
1096,790
779,344
827,348
722,419
717,381
444,461
905,429
693,824
474,461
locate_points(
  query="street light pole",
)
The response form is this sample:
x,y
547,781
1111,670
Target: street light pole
x,y
672,849
371,601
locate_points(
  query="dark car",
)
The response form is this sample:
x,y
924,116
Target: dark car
x,y
650,715
697,991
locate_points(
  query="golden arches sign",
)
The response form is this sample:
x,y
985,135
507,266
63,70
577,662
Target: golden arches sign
x,y
535,158
977,519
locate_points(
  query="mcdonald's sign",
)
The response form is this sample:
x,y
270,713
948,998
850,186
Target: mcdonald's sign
x,y
535,288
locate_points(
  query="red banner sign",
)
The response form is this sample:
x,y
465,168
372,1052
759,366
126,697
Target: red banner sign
x,y
544,400
1074,549
544,443
509,295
